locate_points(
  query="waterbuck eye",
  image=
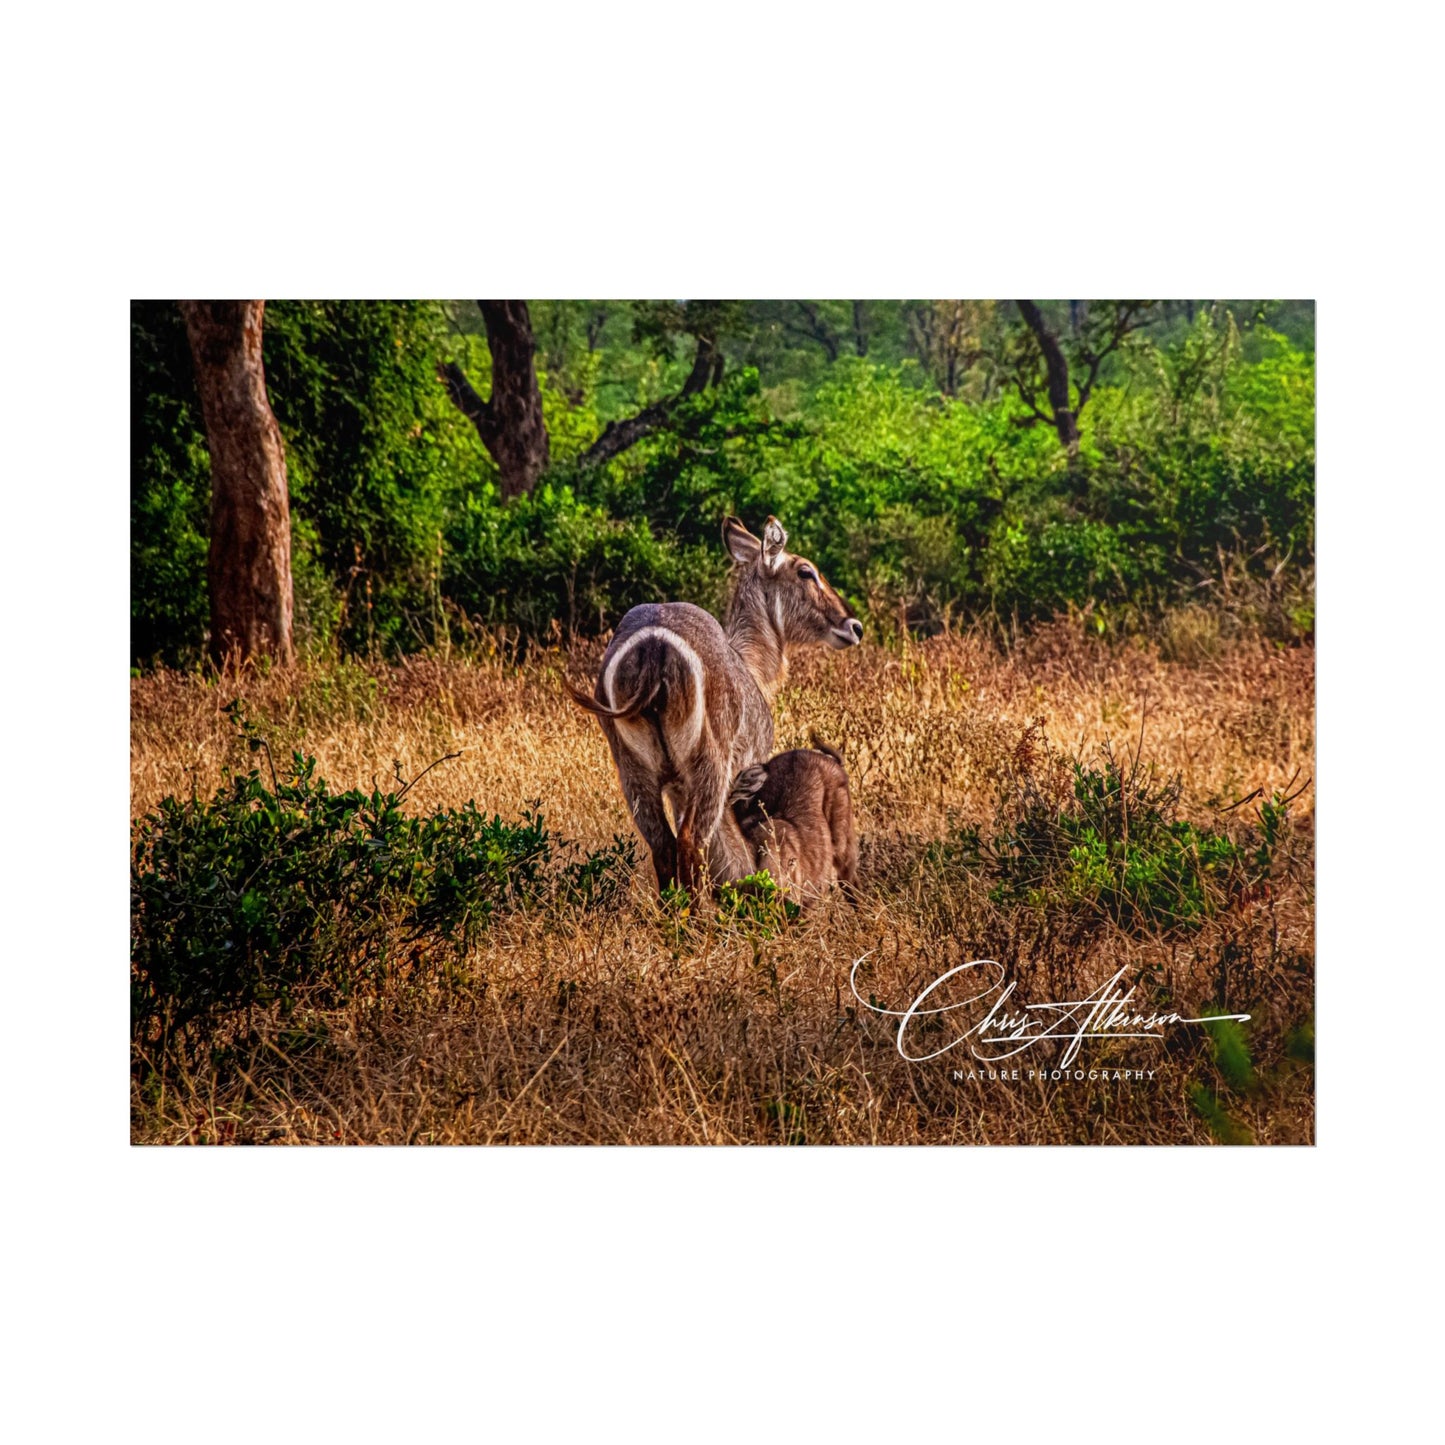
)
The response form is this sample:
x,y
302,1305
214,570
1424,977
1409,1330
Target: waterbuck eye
x,y
807,574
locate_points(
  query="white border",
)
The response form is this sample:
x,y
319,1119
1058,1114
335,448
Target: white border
x,y
759,150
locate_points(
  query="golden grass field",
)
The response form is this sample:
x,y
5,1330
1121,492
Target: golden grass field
x,y
620,1027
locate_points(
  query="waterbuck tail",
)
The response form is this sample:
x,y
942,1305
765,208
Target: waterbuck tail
x,y
820,746
633,708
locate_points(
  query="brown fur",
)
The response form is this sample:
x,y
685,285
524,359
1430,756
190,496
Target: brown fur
x,y
685,703
795,813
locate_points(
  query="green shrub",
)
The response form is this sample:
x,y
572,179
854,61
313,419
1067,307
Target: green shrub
x,y
550,556
757,904
1231,1051
1232,1059
266,895
1114,848
1222,1124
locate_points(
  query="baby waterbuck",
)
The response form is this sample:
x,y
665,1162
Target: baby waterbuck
x,y
796,816
686,704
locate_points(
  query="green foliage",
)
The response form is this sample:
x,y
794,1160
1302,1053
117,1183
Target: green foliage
x,y
757,904
1232,1059
377,459
1231,1052
657,324
1114,848
722,452
1225,1128
926,494
266,895
552,556
170,495
1299,1043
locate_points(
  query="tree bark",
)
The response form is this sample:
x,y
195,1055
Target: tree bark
x,y
510,422
1065,422
250,558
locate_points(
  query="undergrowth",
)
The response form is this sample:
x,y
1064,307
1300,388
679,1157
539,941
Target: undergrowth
x,y
270,893
1107,841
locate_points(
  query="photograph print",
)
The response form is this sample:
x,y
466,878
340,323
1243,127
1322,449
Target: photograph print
x,y
722,722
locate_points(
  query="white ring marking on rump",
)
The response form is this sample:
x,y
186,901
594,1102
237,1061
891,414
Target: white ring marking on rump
x,y
694,665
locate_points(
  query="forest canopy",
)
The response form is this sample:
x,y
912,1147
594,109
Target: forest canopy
x,y
455,467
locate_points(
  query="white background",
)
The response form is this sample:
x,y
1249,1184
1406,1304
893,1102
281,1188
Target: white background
x,y
747,150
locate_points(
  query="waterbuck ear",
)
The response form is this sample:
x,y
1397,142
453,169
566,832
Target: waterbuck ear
x,y
747,783
775,542
741,544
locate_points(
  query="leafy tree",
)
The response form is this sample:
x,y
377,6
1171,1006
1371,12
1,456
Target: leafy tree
x,y
511,422
170,490
1039,359
952,338
380,461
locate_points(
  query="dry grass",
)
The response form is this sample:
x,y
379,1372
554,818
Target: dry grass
x,y
624,1028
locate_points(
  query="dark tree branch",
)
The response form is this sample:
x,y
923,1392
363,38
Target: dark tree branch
x,y
702,368
617,436
467,399
1027,398
817,329
1056,368
1127,318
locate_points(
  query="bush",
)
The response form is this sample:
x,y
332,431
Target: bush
x,y
1106,842
757,904
267,895
551,557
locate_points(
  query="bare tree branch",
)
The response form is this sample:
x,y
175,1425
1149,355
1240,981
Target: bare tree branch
x,y
1128,317
617,436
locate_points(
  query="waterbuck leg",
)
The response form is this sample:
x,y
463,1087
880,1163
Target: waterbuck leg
x,y
651,822
702,853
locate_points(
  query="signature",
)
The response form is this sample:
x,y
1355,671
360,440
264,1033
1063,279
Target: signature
x,y
999,1028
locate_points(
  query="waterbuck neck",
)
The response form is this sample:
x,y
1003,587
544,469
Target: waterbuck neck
x,y
756,637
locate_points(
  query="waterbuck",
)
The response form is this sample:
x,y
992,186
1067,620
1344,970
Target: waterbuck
x,y
686,704
796,816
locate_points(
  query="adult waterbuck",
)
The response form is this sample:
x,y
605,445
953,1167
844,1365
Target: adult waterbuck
x,y
686,704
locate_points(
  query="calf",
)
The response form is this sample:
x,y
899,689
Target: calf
x,y
796,816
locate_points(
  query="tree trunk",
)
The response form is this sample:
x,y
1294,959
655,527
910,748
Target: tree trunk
x,y
510,422
815,327
860,329
250,557
1058,373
